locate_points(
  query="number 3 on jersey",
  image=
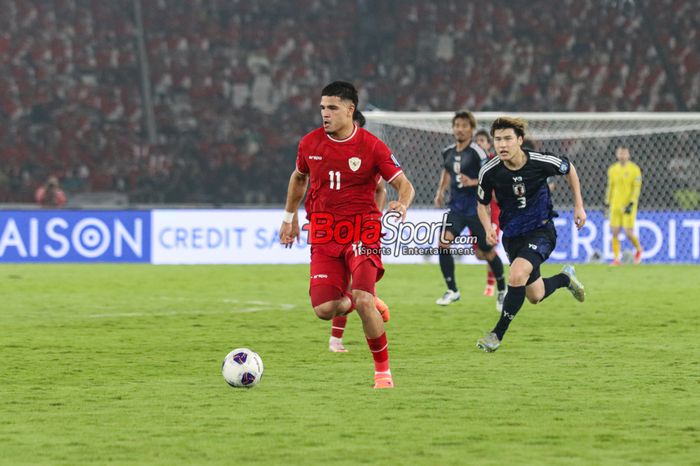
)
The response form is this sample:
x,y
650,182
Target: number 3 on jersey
x,y
335,179
522,202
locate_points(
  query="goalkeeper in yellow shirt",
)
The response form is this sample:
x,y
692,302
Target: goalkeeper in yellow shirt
x,y
621,198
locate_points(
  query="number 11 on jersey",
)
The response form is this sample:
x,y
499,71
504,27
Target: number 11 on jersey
x,y
335,179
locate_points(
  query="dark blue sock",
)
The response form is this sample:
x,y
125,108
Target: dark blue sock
x,y
511,305
551,284
497,269
447,266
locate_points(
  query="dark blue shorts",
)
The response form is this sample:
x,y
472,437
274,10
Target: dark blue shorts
x,y
534,246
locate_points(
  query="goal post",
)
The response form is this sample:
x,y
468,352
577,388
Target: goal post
x,y
666,146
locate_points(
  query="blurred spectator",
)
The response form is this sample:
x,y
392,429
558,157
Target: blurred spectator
x,y
233,81
50,194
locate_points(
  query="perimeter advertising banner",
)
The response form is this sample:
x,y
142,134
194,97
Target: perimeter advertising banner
x,y
75,236
249,236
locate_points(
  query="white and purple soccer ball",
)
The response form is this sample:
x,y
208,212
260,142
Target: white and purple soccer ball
x,y
242,368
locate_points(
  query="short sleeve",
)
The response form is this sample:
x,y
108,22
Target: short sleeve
x,y
302,166
553,165
485,188
445,160
389,167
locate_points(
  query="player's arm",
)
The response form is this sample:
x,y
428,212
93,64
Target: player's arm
x,y
609,189
484,213
406,194
636,189
380,195
442,187
484,193
467,181
289,231
575,185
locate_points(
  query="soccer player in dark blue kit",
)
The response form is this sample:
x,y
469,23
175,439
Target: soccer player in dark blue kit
x,y
519,178
461,164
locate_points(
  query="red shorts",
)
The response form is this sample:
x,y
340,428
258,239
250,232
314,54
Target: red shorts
x,y
333,275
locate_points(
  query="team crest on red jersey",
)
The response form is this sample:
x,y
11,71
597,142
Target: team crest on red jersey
x,y
354,163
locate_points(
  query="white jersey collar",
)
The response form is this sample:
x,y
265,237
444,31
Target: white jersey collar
x,y
354,132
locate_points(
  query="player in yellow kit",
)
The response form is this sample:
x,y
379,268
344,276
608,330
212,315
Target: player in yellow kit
x,y
622,196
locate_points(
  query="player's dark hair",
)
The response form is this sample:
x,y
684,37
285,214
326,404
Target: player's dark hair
x,y
483,132
517,124
345,91
464,115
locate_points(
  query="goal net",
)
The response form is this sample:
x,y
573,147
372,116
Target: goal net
x,y
666,146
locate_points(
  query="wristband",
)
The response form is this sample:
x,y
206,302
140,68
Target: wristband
x,y
288,217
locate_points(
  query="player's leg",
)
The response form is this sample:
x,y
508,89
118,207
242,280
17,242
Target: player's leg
x,y
538,289
365,273
490,281
338,324
335,343
490,277
628,225
447,267
447,262
488,253
328,282
615,224
518,276
382,308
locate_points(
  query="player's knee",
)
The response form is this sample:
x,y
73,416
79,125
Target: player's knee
x,y
364,302
443,246
325,311
518,278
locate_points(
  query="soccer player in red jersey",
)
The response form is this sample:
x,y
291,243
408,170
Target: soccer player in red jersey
x,y
335,342
483,139
340,163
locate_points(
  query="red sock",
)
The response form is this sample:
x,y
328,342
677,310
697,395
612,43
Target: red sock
x,y
352,303
338,326
490,278
380,352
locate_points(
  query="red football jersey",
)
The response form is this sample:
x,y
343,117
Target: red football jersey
x,y
343,174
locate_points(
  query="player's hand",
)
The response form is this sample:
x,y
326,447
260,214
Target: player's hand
x,y
396,206
579,217
491,237
466,181
629,207
288,232
439,198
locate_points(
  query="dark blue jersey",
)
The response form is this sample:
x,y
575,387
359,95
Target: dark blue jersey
x,y
467,162
522,195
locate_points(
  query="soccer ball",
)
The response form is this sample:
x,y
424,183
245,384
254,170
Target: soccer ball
x,y
242,368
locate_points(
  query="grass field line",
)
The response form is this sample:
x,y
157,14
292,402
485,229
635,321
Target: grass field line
x,y
252,306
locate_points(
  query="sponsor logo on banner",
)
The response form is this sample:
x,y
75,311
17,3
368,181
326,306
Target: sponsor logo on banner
x,y
75,236
251,236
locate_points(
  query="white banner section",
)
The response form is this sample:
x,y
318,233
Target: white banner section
x,y
250,236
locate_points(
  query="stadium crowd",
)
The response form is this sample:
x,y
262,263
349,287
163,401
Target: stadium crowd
x,y
234,83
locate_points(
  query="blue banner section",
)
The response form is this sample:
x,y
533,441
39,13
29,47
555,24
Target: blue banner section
x,y
75,236
666,237
248,236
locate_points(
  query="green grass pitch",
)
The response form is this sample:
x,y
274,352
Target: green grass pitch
x,y
120,364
